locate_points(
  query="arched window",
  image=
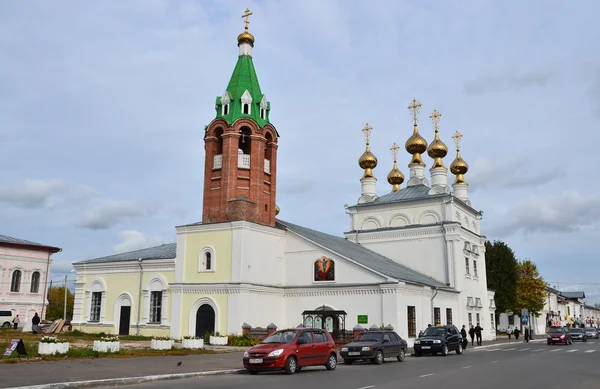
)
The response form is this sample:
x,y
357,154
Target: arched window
x,y
225,109
15,284
244,142
262,113
206,262
219,135
246,109
35,282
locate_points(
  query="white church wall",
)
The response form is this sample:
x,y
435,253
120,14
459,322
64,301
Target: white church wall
x,y
299,262
256,306
257,254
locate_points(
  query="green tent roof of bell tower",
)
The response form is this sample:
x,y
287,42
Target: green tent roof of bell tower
x,y
243,79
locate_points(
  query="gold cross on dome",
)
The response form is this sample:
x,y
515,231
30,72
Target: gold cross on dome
x,y
415,107
395,149
367,130
246,14
457,136
435,118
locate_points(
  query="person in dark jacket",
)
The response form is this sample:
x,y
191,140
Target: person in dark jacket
x,y
526,335
478,331
517,333
463,333
35,323
472,334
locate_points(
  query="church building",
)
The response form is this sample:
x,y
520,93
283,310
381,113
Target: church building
x,y
410,258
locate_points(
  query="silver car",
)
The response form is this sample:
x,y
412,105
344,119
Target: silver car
x,y
592,333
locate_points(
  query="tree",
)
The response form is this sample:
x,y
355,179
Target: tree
x,y
531,288
56,300
501,271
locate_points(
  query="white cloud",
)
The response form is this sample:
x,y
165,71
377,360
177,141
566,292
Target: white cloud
x,y
134,240
111,212
492,173
32,193
566,212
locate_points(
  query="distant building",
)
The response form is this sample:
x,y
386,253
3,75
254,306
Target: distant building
x,y
24,268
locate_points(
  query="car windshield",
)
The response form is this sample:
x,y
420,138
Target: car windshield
x,y
434,331
286,336
590,330
367,337
556,329
576,330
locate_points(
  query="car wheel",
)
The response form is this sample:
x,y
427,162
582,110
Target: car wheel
x,y
291,365
331,362
378,360
253,372
6,325
459,349
444,350
402,355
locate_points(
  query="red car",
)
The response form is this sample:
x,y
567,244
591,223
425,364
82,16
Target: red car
x,y
559,335
291,350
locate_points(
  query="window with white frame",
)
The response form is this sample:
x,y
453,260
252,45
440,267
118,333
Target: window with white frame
x,y
467,269
35,282
15,282
95,306
474,268
206,260
155,307
470,302
492,320
477,319
470,319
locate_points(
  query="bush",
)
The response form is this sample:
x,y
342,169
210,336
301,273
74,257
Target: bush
x,y
242,341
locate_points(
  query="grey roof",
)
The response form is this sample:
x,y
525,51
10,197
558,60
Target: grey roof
x,y
362,255
164,251
405,194
11,240
573,295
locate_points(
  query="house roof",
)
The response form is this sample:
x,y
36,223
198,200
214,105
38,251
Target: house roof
x,y
362,255
164,251
573,295
9,240
405,194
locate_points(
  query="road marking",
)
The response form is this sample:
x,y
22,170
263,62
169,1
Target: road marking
x,y
425,375
525,349
572,351
494,349
553,351
494,361
467,367
590,351
367,387
536,350
509,349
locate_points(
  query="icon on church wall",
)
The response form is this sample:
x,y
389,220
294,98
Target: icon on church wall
x,y
324,269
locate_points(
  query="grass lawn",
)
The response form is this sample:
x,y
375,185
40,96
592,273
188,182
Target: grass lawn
x,y
81,347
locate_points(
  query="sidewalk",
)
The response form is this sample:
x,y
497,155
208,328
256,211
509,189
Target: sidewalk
x,y
42,373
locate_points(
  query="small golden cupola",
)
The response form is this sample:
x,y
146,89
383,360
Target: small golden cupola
x,y
395,177
459,166
416,144
367,160
246,37
437,149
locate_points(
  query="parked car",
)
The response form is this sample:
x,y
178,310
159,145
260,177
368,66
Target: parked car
x,y
559,335
441,340
374,346
291,350
592,333
578,334
6,318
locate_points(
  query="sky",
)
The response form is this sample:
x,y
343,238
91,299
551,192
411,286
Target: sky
x,y
103,107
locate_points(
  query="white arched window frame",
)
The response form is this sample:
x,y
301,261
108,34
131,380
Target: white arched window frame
x,y
246,101
36,278
155,299
207,260
16,279
225,100
95,298
263,108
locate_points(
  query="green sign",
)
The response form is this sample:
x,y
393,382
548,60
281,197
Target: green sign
x,y
363,319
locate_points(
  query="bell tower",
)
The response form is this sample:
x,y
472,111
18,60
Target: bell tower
x,y
240,168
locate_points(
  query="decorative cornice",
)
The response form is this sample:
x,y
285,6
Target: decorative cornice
x,y
403,204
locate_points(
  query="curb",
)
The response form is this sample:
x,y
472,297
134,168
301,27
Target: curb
x,y
497,345
130,380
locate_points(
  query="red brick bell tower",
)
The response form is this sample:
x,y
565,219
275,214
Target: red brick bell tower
x,y
240,169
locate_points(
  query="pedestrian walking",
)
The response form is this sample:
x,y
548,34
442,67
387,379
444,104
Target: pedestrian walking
x,y
509,331
526,335
517,332
35,323
16,322
478,331
472,334
463,334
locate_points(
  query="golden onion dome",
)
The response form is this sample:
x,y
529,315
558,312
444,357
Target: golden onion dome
x,y
395,178
246,37
458,167
416,145
368,162
277,210
437,150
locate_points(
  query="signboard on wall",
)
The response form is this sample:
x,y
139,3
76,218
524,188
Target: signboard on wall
x,y
363,319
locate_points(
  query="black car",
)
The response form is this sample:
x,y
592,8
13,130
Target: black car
x,y
441,340
578,334
374,346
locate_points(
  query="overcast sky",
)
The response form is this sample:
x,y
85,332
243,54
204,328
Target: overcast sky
x,y
103,106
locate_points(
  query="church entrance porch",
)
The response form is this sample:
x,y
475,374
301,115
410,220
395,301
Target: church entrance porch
x,y
205,320
328,319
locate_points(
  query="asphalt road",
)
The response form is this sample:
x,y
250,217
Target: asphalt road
x,y
528,365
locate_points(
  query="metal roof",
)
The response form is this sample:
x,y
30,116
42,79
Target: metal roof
x,y
164,251
405,194
23,242
363,256
573,295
